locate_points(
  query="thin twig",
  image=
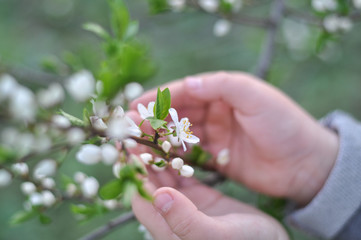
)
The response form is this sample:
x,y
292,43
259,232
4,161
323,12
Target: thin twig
x,y
267,53
111,225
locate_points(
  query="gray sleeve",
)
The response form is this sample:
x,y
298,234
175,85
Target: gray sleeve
x,y
335,211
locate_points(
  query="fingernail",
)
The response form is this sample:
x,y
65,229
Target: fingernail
x,y
194,83
163,202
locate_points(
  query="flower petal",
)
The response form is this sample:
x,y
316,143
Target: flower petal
x,y
151,108
174,115
143,112
191,139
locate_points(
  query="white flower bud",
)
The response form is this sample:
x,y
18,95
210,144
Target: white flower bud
x,y
70,189
5,178
209,5
27,188
116,169
176,5
89,187
166,146
48,198
177,163
109,154
130,143
146,157
48,183
223,157
60,121
52,96
36,199
186,171
79,177
155,167
75,136
45,168
118,112
133,90
22,104
98,123
331,23
110,204
8,85
89,154
81,85
100,109
175,141
356,3
20,169
221,28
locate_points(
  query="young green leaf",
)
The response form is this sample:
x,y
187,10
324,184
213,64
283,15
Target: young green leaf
x,y
161,163
96,29
22,216
129,190
162,104
44,219
156,123
74,120
111,190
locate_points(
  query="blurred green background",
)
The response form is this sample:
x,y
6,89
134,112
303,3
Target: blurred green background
x,y
34,31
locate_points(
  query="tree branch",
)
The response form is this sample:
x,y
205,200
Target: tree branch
x,y
111,225
267,53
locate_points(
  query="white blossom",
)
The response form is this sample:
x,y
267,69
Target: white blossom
x,y
71,189
48,198
25,143
334,23
48,183
89,187
345,24
177,5
8,85
177,163
52,96
110,204
221,28
118,112
119,99
146,157
223,157
133,129
109,154
5,178
357,4
166,146
186,171
20,168
116,169
75,136
182,129
146,112
98,123
10,136
133,90
155,167
117,128
81,85
79,177
22,104
60,121
99,86
45,168
324,5
42,143
27,188
209,5
130,143
36,199
89,154
100,108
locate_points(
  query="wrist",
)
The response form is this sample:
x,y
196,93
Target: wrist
x,y
316,167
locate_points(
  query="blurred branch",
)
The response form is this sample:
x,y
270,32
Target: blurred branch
x,y
267,53
30,75
239,19
114,223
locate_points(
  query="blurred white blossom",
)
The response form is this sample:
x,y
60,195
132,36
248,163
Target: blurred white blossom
x,y
22,104
52,96
89,187
81,85
357,4
44,168
133,90
221,28
48,183
36,199
109,154
5,178
75,136
21,169
223,157
209,5
60,121
8,85
89,154
324,5
146,112
48,198
177,5
100,108
98,123
27,188
334,23
79,177
146,158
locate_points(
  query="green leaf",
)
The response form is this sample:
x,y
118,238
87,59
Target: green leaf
x,y
44,219
74,120
97,29
7,154
156,123
198,156
86,117
141,190
22,216
158,6
111,190
120,18
129,190
162,104
132,30
161,163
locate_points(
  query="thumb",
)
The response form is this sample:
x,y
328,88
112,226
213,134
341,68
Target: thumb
x,y
183,217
